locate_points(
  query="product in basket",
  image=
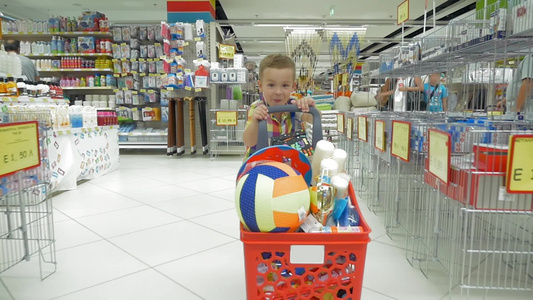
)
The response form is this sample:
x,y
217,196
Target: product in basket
x,y
272,197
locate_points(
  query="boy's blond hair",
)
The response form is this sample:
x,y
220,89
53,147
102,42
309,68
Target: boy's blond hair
x,y
277,61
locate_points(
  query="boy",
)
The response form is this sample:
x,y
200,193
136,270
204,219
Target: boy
x,y
276,82
435,94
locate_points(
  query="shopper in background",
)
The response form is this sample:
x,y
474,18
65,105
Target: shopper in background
x,y
385,95
28,68
435,94
277,74
520,87
415,98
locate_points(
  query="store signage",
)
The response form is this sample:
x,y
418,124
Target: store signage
x,y
19,147
362,132
349,128
403,12
226,51
401,140
340,123
520,165
439,154
226,118
379,141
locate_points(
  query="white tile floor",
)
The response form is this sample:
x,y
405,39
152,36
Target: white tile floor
x,y
166,228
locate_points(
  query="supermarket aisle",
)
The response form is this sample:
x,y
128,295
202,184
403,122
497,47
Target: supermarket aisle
x,y
165,228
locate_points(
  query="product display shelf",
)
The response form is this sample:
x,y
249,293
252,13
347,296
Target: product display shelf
x,y
24,100
9,35
227,139
89,88
76,70
69,55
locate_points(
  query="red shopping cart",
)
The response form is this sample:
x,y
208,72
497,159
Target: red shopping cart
x,y
296,266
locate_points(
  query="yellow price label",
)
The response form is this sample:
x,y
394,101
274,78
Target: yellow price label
x,y
403,12
170,88
379,141
114,60
188,88
116,75
185,44
401,139
349,128
197,90
226,118
134,92
20,147
187,70
125,89
197,39
520,165
142,74
439,154
133,72
124,74
142,59
143,91
124,59
340,123
361,128
226,51
116,90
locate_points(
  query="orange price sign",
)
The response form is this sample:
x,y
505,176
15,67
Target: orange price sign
x,y
401,140
520,165
379,140
362,130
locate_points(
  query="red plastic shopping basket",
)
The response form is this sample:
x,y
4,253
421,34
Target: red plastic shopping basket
x,y
300,266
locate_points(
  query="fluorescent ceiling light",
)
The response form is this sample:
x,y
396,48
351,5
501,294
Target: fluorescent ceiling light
x,y
274,25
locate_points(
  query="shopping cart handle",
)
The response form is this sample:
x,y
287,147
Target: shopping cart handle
x,y
262,136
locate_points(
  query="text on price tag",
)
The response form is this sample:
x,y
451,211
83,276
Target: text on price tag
x,y
349,128
380,135
19,147
340,123
439,154
401,137
361,128
226,118
520,165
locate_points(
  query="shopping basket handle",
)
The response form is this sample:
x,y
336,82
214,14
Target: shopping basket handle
x,y
262,137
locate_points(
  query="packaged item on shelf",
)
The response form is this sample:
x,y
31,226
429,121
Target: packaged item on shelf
x,y
125,50
86,44
151,114
200,30
128,97
119,96
135,44
143,67
187,32
135,54
201,77
143,33
134,32
126,33
200,50
143,51
151,51
151,33
117,34
90,21
126,67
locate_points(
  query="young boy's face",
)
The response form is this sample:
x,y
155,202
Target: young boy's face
x,y
277,85
434,79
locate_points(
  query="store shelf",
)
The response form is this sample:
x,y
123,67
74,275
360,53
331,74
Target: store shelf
x,y
86,88
142,134
142,145
23,99
76,70
65,34
218,109
70,55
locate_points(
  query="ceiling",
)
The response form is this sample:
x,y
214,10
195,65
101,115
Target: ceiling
x,y
379,17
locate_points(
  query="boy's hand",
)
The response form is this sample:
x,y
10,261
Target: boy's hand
x,y
304,103
260,113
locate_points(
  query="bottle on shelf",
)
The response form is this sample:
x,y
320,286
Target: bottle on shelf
x,y
3,88
21,87
11,87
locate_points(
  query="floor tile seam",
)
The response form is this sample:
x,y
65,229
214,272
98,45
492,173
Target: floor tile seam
x,y
100,213
381,293
196,253
188,219
144,229
100,283
127,208
7,289
199,224
179,284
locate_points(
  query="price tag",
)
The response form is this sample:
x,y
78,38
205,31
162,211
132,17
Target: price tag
x,y
340,123
185,44
116,75
226,51
133,59
361,128
349,128
142,74
143,91
379,140
134,92
187,70
439,154
133,72
401,140
520,165
115,90
142,59
124,59
170,88
197,39
20,147
226,118
125,89
114,60
197,90
124,74
188,88
150,59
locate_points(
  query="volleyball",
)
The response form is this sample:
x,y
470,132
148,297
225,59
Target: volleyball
x,y
272,197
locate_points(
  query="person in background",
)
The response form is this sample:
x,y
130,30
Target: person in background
x,y
520,86
435,94
385,95
28,68
277,80
414,91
